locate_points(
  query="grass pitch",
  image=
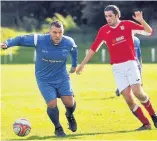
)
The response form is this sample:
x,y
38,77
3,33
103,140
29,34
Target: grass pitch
x,y
100,114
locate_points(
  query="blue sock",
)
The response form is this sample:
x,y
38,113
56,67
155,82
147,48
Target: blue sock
x,y
53,114
70,110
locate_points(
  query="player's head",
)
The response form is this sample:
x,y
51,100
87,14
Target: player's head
x,y
112,14
56,31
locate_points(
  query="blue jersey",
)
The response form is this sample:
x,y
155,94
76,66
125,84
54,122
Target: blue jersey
x,y
137,48
138,52
50,65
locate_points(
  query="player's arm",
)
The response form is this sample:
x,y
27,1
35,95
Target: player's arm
x,y
85,61
139,17
143,28
26,40
74,57
94,48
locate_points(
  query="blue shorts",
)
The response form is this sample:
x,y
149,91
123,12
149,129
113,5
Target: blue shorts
x,y
52,91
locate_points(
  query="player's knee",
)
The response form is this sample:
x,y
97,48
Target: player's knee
x,y
140,94
69,103
52,104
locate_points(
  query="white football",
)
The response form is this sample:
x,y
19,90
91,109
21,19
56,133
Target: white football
x,y
21,127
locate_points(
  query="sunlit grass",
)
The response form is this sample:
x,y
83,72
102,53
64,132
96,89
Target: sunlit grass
x,y
100,114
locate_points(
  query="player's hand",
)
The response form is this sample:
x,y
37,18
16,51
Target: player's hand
x,y
138,16
72,70
79,69
3,46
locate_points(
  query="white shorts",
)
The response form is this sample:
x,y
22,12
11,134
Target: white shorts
x,y
126,74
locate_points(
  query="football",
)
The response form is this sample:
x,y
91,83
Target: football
x,y
21,127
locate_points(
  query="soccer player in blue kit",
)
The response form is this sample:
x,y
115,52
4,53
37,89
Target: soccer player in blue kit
x,y
138,53
138,57
52,78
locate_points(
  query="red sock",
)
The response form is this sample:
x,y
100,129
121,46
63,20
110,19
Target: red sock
x,y
139,114
148,107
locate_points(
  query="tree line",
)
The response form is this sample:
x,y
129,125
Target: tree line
x,y
33,13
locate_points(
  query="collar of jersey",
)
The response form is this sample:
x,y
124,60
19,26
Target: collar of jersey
x,y
116,25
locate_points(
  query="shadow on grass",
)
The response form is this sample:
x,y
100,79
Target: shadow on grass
x,y
76,136
106,98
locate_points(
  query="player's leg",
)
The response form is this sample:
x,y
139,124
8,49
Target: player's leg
x,y
135,108
135,82
49,94
145,101
120,79
70,108
66,94
140,69
124,87
69,103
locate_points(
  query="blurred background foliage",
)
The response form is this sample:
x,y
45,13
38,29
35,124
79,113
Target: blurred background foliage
x,y
30,15
81,20
68,22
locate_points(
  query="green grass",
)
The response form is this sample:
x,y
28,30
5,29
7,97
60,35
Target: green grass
x,y
100,114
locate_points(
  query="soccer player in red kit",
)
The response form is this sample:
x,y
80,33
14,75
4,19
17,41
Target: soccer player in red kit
x,y
118,36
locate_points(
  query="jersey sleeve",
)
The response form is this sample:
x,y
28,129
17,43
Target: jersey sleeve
x,y
26,40
73,43
99,40
137,28
74,53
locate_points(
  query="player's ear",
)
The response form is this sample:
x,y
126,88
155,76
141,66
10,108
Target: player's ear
x,y
117,16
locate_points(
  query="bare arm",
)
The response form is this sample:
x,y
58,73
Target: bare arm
x,y
139,17
93,49
86,59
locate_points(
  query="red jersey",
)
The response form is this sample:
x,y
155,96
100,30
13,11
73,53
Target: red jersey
x,y
119,40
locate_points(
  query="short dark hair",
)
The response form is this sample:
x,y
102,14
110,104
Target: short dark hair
x,y
113,8
56,23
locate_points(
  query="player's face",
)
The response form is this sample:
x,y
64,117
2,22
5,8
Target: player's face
x,y
111,18
56,34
